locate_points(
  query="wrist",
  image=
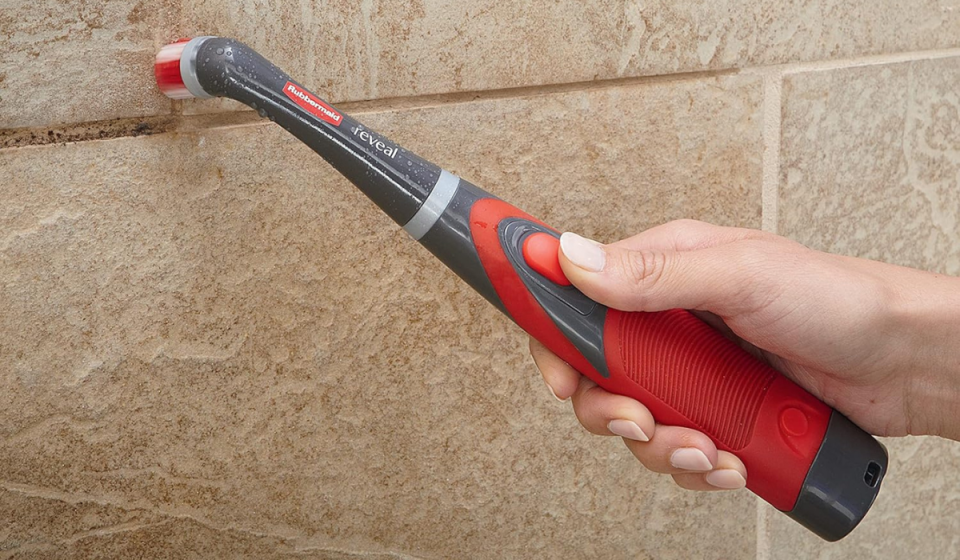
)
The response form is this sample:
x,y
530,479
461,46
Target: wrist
x,y
927,311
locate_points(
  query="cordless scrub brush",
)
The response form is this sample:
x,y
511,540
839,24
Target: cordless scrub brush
x,y
802,457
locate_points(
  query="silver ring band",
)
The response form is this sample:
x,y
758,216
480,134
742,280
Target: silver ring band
x,y
188,67
435,205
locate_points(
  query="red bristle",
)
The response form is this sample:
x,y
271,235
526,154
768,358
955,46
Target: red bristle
x,y
168,74
166,69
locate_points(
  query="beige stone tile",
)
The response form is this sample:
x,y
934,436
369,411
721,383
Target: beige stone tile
x,y
42,524
871,156
65,62
350,51
214,327
871,168
89,62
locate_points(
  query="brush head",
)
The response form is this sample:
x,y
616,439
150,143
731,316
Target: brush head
x,y
166,68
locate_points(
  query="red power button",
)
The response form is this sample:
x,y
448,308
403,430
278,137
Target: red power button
x,y
541,251
794,422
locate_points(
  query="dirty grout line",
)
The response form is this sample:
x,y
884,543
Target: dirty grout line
x,y
772,115
177,121
114,129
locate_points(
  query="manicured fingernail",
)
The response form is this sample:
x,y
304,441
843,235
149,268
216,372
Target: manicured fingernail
x,y
627,429
582,252
728,479
690,459
553,393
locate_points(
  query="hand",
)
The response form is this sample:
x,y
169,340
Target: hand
x,y
879,343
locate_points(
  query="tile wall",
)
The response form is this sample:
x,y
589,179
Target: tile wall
x,y
212,346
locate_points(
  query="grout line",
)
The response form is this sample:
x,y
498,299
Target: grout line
x,y
770,198
872,60
520,92
176,121
858,62
772,115
763,522
122,128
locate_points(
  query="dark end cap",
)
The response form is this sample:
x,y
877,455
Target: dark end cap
x,y
842,482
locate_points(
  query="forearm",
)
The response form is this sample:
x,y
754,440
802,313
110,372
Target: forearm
x,y
927,314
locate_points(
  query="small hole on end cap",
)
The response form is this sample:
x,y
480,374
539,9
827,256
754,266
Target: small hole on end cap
x,y
872,476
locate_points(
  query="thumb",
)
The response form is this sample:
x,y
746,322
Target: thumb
x,y
713,279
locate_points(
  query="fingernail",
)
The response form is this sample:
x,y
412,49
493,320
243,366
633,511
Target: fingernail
x,y
553,393
582,252
690,459
728,479
627,429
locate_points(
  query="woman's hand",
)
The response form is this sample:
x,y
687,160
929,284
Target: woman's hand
x,y
879,343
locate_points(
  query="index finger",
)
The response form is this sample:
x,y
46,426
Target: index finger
x,y
684,235
559,376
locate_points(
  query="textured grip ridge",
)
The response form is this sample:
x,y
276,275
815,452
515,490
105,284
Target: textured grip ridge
x,y
696,371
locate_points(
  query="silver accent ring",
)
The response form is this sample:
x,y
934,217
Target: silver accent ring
x,y
435,205
188,67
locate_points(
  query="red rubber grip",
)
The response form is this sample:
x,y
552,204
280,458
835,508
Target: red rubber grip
x,y
688,374
685,372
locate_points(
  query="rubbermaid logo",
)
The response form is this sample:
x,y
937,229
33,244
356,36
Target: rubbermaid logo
x,y
314,106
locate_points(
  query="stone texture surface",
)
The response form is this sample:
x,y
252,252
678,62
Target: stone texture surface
x,y
80,61
871,156
44,524
871,168
349,50
212,346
